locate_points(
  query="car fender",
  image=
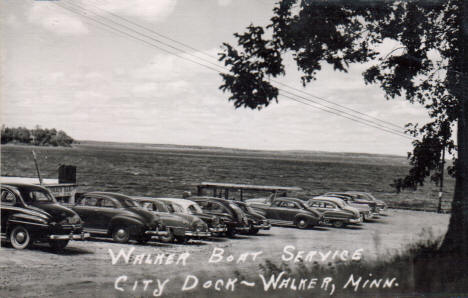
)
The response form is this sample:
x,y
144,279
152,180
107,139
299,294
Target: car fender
x,y
310,218
136,225
30,220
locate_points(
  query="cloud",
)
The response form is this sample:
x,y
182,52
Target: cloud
x,y
55,19
224,2
151,10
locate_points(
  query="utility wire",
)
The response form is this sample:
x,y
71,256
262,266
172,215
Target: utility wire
x,y
224,68
357,119
215,58
352,119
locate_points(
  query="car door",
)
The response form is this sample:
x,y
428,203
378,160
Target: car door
x,y
88,210
108,208
8,202
288,210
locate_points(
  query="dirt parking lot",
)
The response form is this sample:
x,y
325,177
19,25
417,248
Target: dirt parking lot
x,y
85,269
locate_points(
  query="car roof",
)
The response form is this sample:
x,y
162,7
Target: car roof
x,y
117,196
19,186
182,202
329,199
290,199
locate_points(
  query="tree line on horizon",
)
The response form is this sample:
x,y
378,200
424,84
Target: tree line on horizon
x,y
37,136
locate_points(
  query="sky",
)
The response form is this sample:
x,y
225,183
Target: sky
x,y
61,70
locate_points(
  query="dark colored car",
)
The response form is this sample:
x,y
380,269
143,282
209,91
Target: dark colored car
x,y
286,211
117,216
30,213
182,206
232,215
180,227
256,220
335,211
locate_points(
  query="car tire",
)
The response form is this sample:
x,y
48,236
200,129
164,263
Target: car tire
x,y
121,234
231,232
182,239
144,239
58,245
253,231
339,224
302,223
20,238
168,238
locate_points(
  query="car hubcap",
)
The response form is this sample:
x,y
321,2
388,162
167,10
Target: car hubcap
x,y
20,237
121,233
302,222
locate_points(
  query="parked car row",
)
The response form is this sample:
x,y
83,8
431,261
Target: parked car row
x,y
30,213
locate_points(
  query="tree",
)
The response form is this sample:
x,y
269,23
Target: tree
x,y
429,67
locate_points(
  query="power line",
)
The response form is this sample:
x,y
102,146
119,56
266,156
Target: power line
x,y
275,81
352,119
356,119
131,36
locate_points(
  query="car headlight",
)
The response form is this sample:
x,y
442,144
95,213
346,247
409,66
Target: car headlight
x,y
75,219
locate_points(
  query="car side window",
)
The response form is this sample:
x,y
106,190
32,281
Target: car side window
x,y
329,206
218,208
277,203
192,210
89,201
107,203
289,205
148,206
8,198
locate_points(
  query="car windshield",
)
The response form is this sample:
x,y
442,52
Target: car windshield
x,y
236,209
169,207
129,203
194,208
37,196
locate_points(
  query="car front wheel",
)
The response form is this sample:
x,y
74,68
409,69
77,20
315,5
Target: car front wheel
x,y
168,238
338,224
302,223
58,244
121,234
20,237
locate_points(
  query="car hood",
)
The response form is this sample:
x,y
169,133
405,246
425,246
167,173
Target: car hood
x,y
314,212
255,216
353,210
55,211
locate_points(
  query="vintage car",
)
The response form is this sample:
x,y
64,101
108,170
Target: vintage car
x,y
360,195
117,216
232,216
30,213
256,220
180,227
182,206
363,209
335,211
286,211
353,201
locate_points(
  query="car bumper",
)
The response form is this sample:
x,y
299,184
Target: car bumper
x,y
262,226
218,229
356,220
80,236
157,233
197,234
243,229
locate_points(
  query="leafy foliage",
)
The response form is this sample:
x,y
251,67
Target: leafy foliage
x,y
36,136
424,67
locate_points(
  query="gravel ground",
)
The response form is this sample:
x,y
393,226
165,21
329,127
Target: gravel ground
x,y
85,268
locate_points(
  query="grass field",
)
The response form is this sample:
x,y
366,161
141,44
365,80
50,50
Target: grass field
x,y
164,170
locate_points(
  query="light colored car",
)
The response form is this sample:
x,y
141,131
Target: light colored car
x,y
183,206
180,227
335,211
381,205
